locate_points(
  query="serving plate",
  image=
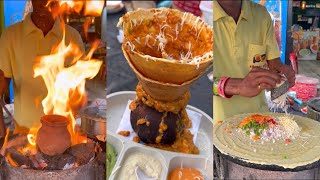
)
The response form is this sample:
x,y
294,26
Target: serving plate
x,y
116,106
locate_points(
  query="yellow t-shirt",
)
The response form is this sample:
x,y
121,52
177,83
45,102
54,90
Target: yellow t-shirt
x,y
20,44
237,46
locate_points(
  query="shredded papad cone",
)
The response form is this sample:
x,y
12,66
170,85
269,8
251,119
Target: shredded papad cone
x,y
167,45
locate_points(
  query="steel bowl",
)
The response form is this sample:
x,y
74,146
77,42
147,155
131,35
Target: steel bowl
x,y
93,120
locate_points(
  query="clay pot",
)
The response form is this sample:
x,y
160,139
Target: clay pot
x,y
149,133
53,138
163,91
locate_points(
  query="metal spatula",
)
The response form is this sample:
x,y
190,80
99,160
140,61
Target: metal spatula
x,y
280,90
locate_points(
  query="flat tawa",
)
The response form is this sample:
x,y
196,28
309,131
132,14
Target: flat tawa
x,y
301,154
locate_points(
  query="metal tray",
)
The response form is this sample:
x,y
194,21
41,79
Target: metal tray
x,y
203,162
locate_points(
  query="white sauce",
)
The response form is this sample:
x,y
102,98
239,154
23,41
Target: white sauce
x,y
148,164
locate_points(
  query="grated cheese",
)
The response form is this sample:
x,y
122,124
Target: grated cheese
x,y
137,40
147,41
199,32
132,47
160,40
177,32
185,58
286,128
185,15
291,128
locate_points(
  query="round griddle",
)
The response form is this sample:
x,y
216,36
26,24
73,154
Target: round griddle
x,y
241,162
314,103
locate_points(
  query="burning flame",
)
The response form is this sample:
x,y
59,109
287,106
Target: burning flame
x,y
64,72
4,146
66,85
31,139
89,7
93,7
86,26
11,161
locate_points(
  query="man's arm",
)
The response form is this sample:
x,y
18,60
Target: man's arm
x,y
6,55
273,53
4,87
257,80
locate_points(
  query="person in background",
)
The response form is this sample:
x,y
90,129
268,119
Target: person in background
x,y
246,58
20,44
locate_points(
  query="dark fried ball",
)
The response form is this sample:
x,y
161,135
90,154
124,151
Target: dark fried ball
x,y
146,122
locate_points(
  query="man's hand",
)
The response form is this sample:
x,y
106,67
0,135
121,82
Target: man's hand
x,y
258,79
276,66
289,73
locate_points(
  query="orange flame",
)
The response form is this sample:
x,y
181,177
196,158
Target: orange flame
x,y
31,139
90,7
86,26
66,85
93,7
11,161
4,146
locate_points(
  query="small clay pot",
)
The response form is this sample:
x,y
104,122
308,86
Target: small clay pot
x,y
53,137
148,132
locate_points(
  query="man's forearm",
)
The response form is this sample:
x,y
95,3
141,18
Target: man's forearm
x,y
275,65
6,86
231,87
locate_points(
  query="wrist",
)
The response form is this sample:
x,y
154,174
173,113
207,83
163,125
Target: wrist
x,y
219,87
232,87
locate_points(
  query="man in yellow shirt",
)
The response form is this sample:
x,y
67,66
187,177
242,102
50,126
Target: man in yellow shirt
x,y
20,44
246,58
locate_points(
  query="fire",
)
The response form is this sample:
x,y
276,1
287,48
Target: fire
x,y
31,139
94,7
4,146
11,161
66,84
86,26
89,7
64,73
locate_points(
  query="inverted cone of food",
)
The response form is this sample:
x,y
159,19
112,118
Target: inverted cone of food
x,y
162,91
167,45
